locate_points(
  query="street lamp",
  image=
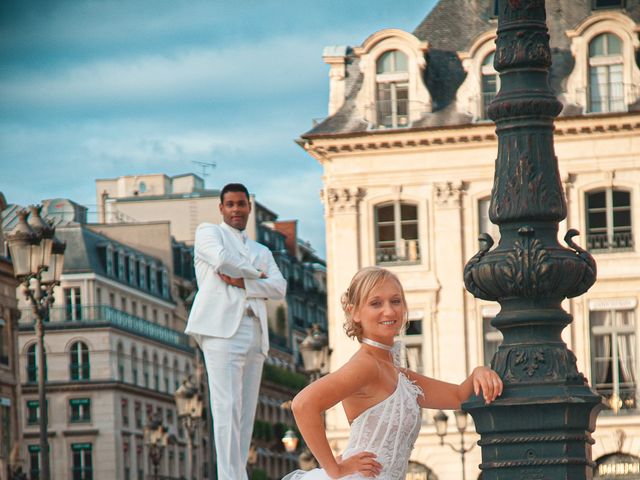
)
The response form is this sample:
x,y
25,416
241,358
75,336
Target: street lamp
x,y
190,406
290,441
38,260
440,420
541,425
156,438
315,351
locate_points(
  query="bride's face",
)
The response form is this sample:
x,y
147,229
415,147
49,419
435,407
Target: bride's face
x,y
382,313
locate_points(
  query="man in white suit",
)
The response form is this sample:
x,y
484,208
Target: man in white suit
x,y
229,321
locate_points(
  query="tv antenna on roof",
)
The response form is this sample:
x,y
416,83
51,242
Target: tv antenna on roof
x,y
205,167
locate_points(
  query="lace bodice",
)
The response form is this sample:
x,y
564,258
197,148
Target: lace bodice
x,y
388,429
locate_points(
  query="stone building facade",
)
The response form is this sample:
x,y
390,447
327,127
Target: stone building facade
x,y
408,162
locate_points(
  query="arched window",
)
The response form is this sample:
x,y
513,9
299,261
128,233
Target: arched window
x,y
156,372
606,87
489,78
79,367
609,220
396,226
134,365
145,368
32,364
121,359
392,89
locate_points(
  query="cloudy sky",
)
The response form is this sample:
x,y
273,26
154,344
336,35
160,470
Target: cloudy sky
x,y
103,88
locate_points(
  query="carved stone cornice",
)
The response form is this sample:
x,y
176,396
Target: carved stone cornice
x,y
342,200
472,134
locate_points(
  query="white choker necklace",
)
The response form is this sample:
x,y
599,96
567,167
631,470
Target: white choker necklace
x,y
373,343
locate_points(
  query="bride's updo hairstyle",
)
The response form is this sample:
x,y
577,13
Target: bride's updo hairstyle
x,y
362,284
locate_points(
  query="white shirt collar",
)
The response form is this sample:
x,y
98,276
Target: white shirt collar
x,y
242,234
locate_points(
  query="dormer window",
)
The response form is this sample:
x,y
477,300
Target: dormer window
x,y
598,4
606,85
392,85
489,78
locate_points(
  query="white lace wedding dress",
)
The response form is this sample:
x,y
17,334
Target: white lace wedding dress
x,y
388,429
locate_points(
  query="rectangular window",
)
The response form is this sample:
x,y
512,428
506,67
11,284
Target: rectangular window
x,y
613,355
123,304
82,455
393,104
72,304
609,225
138,414
124,405
98,296
33,412
5,426
4,342
397,239
80,410
34,462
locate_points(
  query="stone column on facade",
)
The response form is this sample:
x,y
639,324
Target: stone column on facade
x,y
448,264
343,251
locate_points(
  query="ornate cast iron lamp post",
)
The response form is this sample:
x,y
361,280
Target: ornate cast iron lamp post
x,y
156,438
38,258
315,352
440,420
189,405
541,427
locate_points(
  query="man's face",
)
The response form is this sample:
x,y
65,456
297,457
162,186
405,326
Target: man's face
x,y
235,209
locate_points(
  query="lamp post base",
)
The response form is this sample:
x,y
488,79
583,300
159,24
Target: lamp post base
x,y
536,438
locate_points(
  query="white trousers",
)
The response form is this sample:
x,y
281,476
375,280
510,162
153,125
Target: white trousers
x,y
234,369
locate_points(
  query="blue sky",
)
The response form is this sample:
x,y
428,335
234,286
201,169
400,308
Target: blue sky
x,y
103,88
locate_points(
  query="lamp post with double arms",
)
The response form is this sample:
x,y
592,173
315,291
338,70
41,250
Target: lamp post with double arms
x,y
441,420
190,406
38,259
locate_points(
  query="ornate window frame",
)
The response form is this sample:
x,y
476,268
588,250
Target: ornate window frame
x,y
469,95
603,21
369,53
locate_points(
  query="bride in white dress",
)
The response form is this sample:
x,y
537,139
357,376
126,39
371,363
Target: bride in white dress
x,y
381,400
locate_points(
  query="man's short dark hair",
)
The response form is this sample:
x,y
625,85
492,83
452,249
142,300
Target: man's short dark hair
x,y
233,187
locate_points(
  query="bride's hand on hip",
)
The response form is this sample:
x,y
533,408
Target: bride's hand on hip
x,y
363,463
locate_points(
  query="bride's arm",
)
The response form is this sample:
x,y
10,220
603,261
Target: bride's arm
x,y
443,395
309,405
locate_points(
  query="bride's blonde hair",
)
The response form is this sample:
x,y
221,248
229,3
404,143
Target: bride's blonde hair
x,y
362,284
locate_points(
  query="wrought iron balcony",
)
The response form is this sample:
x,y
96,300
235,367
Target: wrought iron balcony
x,y
405,252
94,316
602,242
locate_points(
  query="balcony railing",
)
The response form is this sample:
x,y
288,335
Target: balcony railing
x,y
403,252
602,242
92,316
395,113
623,401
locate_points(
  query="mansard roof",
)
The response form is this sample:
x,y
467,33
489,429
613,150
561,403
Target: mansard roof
x,y
451,27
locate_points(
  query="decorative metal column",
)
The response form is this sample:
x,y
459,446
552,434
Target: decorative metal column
x,y
541,426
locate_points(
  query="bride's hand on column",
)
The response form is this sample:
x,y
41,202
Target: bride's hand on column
x,y
488,381
363,463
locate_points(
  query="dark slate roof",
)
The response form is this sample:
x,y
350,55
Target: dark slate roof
x,y
452,26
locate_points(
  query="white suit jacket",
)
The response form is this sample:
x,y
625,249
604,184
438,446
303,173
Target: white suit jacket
x,y
218,307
